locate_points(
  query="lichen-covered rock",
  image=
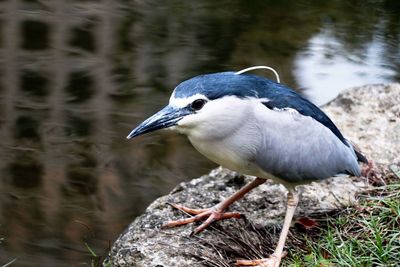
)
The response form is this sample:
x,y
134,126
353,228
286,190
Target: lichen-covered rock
x,y
369,115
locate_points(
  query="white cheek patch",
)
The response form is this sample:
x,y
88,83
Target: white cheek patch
x,y
183,102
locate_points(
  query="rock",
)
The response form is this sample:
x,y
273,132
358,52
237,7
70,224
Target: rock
x,y
369,115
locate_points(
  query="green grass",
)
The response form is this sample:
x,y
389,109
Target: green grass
x,y
95,259
365,235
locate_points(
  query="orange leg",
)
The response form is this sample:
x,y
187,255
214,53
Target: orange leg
x,y
275,259
215,213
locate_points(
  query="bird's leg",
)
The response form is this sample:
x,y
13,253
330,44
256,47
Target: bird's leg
x,y
215,213
275,259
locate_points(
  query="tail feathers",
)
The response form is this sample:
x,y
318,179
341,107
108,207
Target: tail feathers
x,y
359,154
361,157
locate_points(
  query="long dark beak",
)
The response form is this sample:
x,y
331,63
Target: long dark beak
x,y
165,118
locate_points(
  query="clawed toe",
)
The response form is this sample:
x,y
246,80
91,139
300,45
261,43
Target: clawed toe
x,y
273,261
186,209
209,215
270,262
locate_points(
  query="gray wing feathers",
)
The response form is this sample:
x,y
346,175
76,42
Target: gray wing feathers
x,y
306,151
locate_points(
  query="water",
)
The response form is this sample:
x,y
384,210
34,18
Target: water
x,y
77,76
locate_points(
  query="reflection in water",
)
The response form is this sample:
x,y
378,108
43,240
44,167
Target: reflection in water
x,y
26,127
82,37
34,83
326,62
35,35
76,76
25,170
80,86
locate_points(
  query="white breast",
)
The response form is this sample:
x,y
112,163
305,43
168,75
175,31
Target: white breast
x,y
232,137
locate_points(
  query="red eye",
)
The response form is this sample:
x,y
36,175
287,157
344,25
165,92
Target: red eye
x,y
198,104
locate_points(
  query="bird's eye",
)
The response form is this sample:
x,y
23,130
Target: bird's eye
x,y
198,104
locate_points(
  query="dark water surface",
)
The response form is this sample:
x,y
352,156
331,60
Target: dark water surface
x,y
77,76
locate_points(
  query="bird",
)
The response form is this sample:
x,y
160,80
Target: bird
x,y
255,126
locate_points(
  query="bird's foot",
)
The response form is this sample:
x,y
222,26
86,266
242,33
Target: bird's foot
x,y
210,215
369,169
273,261
373,175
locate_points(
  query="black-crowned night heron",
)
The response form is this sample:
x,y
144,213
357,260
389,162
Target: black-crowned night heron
x,y
258,127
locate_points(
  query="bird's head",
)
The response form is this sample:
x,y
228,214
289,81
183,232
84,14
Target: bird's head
x,y
207,106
